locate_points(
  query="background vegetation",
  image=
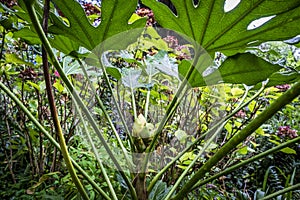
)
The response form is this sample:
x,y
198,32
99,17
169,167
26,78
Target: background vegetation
x,y
229,134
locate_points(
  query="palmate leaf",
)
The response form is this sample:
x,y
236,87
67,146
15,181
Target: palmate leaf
x,y
28,34
230,33
114,19
216,30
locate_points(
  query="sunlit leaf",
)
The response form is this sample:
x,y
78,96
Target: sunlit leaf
x,y
15,59
84,33
236,91
243,150
288,150
210,26
57,85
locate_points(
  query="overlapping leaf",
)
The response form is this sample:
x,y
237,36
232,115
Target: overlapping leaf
x,y
216,30
241,68
114,19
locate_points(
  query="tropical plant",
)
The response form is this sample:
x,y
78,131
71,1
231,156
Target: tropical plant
x,y
161,100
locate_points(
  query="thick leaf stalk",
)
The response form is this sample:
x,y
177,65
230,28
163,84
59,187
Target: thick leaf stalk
x,y
69,85
278,104
246,162
54,113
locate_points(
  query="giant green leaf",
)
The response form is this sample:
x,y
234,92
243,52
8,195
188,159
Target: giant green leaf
x,y
216,30
27,33
241,68
114,19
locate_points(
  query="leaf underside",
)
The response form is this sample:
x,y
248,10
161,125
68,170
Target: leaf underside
x,y
241,68
216,30
114,20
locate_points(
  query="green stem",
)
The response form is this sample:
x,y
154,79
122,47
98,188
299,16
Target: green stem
x,y
112,191
278,104
38,28
2,44
240,106
99,101
51,139
133,104
243,163
54,113
117,105
148,95
210,140
280,192
170,110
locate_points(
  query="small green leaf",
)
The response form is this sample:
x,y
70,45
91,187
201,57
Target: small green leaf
x,y
70,67
58,86
114,72
134,17
130,78
33,85
241,68
165,64
236,91
243,150
228,127
159,191
260,131
14,59
288,150
65,45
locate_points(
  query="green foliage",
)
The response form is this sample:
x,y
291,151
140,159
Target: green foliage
x,y
196,133
114,19
240,68
216,30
